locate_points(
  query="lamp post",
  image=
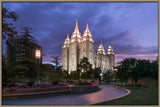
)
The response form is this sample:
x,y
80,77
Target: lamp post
x,y
80,74
100,78
38,56
93,67
116,76
69,75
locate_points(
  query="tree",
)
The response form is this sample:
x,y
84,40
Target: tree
x,y
97,72
154,69
4,72
75,75
23,69
108,75
86,67
8,30
124,68
56,61
137,69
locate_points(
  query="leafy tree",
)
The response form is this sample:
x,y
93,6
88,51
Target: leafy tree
x,y
108,75
154,69
24,69
124,68
136,69
97,72
75,75
8,30
86,67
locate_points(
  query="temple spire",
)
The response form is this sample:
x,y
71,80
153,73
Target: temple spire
x,y
87,28
76,35
87,33
76,30
101,48
67,36
101,42
67,41
110,50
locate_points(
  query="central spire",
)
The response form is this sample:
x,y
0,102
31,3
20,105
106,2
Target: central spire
x,y
76,36
87,28
76,30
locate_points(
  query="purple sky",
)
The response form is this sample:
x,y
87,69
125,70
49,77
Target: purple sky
x,y
132,28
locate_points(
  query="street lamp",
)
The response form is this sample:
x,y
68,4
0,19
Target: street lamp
x,y
38,56
116,76
93,67
80,73
69,75
100,75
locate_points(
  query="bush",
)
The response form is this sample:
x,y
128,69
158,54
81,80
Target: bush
x,y
83,83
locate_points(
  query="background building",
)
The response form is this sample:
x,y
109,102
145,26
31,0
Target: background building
x,y
79,46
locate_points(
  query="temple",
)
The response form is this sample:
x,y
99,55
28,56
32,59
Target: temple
x,y
78,46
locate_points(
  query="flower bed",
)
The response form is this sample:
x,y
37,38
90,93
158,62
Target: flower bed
x,y
22,91
24,87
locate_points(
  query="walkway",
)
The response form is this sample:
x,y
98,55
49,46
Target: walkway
x,y
106,93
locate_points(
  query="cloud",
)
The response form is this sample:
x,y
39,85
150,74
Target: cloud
x,y
131,27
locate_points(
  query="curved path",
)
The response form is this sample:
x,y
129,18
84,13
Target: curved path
x,y
106,93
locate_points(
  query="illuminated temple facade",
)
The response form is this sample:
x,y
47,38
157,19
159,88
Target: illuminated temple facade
x,y
78,46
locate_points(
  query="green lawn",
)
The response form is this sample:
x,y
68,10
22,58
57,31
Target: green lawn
x,y
138,96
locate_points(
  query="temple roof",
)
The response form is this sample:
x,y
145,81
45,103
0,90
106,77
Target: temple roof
x,y
76,30
67,41
87,34
101,48
110,50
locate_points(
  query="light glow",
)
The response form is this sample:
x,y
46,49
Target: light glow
x,y
38,54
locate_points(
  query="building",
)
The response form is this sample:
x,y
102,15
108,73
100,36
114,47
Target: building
x,y
18,49
79,46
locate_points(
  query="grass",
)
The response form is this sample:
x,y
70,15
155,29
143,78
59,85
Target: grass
x,y
138,96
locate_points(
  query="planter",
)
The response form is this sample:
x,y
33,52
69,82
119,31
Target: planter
x,y
35,92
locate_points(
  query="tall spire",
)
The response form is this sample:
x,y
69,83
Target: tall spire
x,y
67,36
110,50
76,30
87,34
76,36
87,28
101,42
67,41
101,48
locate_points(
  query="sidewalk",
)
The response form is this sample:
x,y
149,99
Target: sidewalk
x,y
106,93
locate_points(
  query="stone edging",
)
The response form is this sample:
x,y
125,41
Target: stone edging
x,y
128,92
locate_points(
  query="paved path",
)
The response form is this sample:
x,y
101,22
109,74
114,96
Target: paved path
x,y
106,93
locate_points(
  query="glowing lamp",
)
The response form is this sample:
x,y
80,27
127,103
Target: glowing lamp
x,y
100,74
93,66
38,54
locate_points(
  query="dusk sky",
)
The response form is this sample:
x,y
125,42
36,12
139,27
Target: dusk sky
x,y
132,28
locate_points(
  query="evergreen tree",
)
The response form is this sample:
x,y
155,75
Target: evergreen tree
x,y
86,67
